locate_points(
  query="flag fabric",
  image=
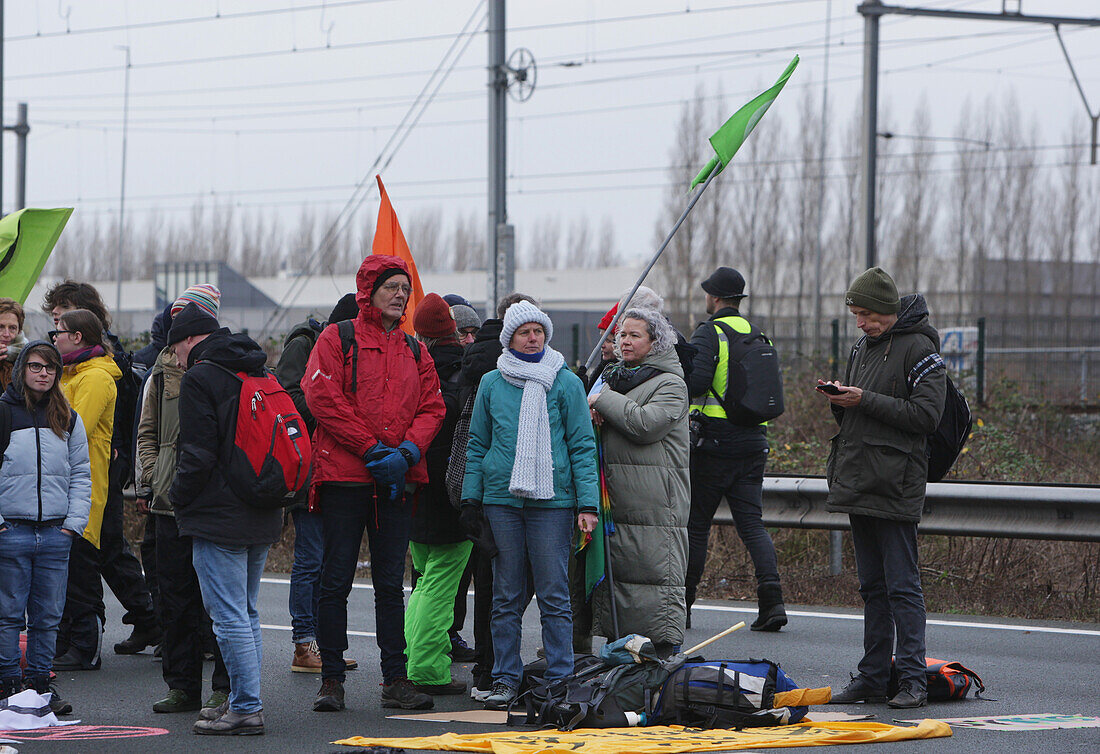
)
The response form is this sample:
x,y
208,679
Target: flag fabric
x,y
729,138
26,239
594,544
388,239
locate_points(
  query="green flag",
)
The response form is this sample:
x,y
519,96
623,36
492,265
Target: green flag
x,y
26,239
729,138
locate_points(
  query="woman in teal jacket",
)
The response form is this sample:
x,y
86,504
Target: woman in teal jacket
x,y
531,467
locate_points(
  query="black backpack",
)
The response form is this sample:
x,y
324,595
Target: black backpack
x,y
346,329
725,694
127,411
754,380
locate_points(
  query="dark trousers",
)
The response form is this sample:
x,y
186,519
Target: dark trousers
x,y
740,481
462,592
347,511
893,603
185,618
149,563
113,562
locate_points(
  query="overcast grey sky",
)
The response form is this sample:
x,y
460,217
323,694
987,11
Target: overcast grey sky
x,y
272,111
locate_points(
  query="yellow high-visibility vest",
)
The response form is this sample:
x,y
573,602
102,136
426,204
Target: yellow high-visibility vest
x,y
711,402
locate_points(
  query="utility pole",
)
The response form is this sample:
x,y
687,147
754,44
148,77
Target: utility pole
x,y
21,130
499,245
1,107
872,10
122,182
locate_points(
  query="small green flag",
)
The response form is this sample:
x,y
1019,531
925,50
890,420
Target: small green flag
x,y
26,239
729,138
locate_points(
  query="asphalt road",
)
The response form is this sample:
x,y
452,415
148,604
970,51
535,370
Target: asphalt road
x,y
1029,667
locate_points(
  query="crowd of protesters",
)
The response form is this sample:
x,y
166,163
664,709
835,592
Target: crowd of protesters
x,y
472,446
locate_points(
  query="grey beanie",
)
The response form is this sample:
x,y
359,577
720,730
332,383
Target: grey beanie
x,y
465,316
520,313
874,290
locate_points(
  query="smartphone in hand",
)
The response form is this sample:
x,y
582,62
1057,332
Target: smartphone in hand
x,y
829,388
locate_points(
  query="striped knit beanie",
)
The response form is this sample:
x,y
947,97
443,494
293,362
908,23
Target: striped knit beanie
x,y
203,295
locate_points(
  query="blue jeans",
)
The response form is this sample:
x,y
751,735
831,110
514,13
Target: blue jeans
x,y
305,575
229,578
543,536
34,569
893,602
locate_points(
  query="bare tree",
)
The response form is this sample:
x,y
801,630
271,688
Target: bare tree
x,y
917,206
425,236
468,242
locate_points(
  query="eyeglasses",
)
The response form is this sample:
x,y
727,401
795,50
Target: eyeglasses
x,y
392,288
36,367
54,333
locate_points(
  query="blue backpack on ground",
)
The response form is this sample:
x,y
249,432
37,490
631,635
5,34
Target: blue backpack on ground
x,y
725,694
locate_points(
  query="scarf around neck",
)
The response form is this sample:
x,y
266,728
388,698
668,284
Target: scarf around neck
x,y
622,379
533,465
84,354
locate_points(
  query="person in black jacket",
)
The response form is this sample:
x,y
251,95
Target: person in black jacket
x,y
230,537
309,545
438,545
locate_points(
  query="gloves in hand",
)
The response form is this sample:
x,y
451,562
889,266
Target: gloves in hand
x,y
476,528
410,452
388,466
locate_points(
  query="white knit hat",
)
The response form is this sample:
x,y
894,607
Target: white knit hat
x,y
519,314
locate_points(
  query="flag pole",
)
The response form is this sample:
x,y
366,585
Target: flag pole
x,y
594,357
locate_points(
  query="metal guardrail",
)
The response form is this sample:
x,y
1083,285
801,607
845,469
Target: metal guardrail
x,y
970,509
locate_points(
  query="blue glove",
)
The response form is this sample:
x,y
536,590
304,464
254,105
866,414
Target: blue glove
x,y
410,452
388,466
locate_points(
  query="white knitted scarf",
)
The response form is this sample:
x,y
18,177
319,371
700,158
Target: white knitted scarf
x,y
533,465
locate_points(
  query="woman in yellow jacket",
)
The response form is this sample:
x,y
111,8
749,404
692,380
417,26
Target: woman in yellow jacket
x,y
88,380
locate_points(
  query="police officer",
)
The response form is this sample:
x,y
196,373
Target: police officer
x,y
727,459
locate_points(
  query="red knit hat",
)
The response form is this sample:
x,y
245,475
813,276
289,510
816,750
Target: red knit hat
x,y
433,318
608,318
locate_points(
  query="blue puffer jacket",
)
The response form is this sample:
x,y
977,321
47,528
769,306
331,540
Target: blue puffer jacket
x,y
492,445
44,477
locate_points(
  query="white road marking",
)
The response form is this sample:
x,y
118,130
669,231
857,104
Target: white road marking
x,y
271,627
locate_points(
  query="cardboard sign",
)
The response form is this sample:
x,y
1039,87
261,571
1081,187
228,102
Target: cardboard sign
x,y
1045,721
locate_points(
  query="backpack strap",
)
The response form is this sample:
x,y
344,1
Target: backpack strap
x,y
414,346
346,328
227,370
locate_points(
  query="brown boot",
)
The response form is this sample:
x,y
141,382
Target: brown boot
x,y
306,658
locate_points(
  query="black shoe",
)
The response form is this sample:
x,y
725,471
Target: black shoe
x,y
857,691
460,650
232,724
41,684
402,694
140,638
74,659
331,696
442,689
772,615
177,700
908,698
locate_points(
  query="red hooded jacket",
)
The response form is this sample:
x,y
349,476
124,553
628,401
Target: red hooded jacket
x,y
396,399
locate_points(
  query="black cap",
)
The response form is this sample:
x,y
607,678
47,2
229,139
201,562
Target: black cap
x,y
726,282
191,320
346,308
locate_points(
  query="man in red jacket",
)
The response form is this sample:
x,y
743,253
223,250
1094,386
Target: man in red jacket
x,y
377,410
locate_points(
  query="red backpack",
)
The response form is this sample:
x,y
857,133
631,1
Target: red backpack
x,y
270,458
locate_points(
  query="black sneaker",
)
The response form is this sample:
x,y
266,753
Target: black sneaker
x,y
331,696
461,651
139,639
858,690
74,659
908,697
41,684
442,689
402,694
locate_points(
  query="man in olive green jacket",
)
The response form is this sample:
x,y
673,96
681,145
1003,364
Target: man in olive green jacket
x,y
877,472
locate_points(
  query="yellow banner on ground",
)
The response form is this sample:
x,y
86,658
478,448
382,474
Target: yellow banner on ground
x,y
662,739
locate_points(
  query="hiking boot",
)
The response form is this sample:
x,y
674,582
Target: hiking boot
x,y
232,724
460,650
215,706
858,690
501,696
139,639
772,615
402,694
442,689
331,696
177,700
74,659
307,659
40,684
908,697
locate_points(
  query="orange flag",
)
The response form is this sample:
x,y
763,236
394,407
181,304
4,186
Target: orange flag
x,y
388,239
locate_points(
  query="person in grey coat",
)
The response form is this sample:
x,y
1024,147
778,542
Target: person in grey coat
x,y
642,413
877,472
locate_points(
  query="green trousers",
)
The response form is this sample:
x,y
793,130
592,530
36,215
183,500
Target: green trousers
x,y
432,609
